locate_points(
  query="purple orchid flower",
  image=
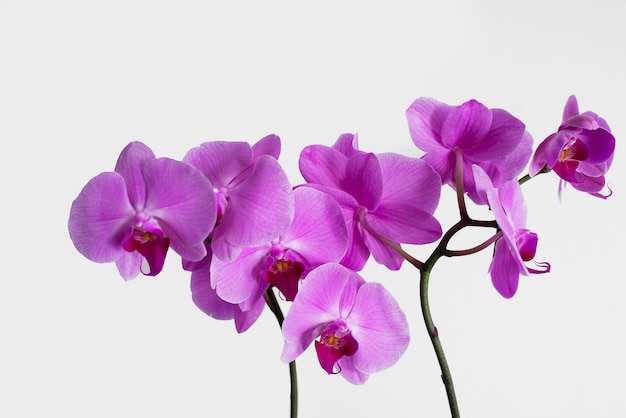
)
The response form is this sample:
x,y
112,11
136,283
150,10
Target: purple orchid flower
x,y
207,300
360,326
580,152
134,214
517,244
490,138
254,197
317,235
386,198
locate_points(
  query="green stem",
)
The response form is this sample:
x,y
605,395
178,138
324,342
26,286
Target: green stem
x,y
272,303
446,376
433,333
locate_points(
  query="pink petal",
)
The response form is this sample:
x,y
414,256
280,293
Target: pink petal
x,y
426,117
318,230
364,179
379,326
260,209
101,217
130,166
466,125
182,199
504,270
268,145
320,164
220,161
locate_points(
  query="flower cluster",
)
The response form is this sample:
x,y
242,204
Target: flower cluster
x,y
242,229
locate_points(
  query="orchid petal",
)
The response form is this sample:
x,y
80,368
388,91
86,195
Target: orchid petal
x,y
318,230
504,270
235,281
466,125
364,179
426,117
502,138
130,165
379,326
220,161
260,209
181,198
268,145
101,217
323,165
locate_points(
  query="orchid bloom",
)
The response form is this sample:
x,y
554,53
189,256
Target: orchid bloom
x,y
490,138
580,152
517,244
386,198
135,213
358,327
317,235
254,197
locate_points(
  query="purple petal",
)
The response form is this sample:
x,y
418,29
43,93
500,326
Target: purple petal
x,y
571,107
364,179
268,145
540,157
443,162
601,145
426,117
129,264
382,252
220,161
101,218
327,294
466,126
318,230
320,164
350,372
504,270
347,144
357,253
512,201
182,199
235,281
130,166
405,223
379,326
509,167
260,208
244,320
408,179
503,137
206,299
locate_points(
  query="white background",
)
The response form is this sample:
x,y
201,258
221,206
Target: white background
x,y
78,82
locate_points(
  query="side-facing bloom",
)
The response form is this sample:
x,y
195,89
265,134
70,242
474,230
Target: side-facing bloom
x,y
135,213
517,244
580,152
386,198
317,235
358,327
254,197
490,138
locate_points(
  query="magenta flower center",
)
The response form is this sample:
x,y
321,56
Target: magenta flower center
x,y
526,244
285,275
147,239
574,150
336,341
